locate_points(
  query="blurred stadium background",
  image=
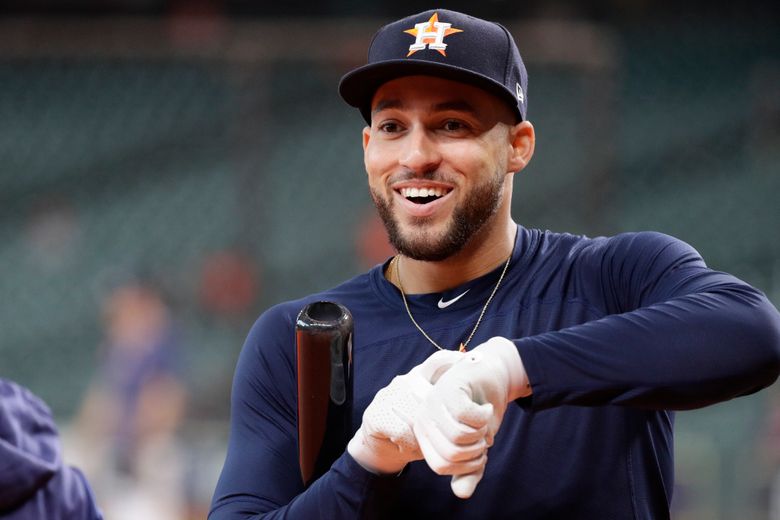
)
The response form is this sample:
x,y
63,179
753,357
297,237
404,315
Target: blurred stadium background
x,y
202,147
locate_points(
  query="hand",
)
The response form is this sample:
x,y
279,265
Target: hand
x,y
463,411
385,441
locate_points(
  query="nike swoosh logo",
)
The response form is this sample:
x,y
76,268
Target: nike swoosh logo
x,y
444,304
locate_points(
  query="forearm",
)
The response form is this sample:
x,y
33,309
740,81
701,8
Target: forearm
x,y
682,353
346,491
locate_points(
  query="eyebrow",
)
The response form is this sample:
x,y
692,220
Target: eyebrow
x,y
386,104
454,105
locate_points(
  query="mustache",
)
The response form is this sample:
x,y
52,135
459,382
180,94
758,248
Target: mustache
x,y
434,175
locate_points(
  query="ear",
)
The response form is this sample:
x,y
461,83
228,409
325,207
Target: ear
x,y
523,141
366,137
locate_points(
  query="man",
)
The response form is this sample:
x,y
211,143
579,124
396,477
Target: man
x,y
576,349
34,483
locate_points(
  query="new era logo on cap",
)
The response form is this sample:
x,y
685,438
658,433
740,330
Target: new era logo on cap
x,y
446,44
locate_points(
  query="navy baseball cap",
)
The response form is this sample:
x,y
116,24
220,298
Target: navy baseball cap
x,y
446,44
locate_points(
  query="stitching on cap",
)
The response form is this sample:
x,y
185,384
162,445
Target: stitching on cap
x,y
508,53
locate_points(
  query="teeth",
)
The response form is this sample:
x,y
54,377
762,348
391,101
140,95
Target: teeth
x,y
422,192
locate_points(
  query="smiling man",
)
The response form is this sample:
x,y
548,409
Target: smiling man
x,y
559,358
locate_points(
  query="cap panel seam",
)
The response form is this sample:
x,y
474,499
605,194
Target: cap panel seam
x,y
373,39
507,67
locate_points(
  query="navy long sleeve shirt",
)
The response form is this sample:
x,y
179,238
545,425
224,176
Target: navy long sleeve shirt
x,y
615,334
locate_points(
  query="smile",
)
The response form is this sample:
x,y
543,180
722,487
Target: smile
x,y
423,195
422,199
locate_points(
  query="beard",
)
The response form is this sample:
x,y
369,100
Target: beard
x,y
468,217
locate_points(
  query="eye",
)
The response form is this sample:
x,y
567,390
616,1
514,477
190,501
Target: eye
x,y
389,127
454,125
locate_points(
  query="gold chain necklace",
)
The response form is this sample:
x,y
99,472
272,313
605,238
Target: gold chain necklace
x,y
464,344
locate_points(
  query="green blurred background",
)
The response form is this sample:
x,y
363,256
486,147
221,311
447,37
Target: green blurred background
x,y
202,146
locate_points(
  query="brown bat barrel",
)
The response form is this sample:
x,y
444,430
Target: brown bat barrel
x,y
324,361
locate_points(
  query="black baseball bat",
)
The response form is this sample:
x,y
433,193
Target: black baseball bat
x,y
323,333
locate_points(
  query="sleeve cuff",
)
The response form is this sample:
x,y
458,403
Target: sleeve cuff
x,y
353,471
534,370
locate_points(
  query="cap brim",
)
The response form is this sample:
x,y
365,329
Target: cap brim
x,y
357,87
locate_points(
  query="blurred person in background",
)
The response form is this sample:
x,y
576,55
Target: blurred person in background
x,y
768,454
34,482
131,414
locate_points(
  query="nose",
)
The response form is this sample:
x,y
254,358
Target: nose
x,y
420,153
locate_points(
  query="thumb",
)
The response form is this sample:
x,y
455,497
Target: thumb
x,y
437,364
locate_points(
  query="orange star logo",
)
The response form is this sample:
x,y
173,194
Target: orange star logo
x,y
431,34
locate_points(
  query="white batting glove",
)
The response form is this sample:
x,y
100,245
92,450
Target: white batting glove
x,y
462,413
385,441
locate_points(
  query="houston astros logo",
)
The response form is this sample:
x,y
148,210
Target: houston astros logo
x,y
430,34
